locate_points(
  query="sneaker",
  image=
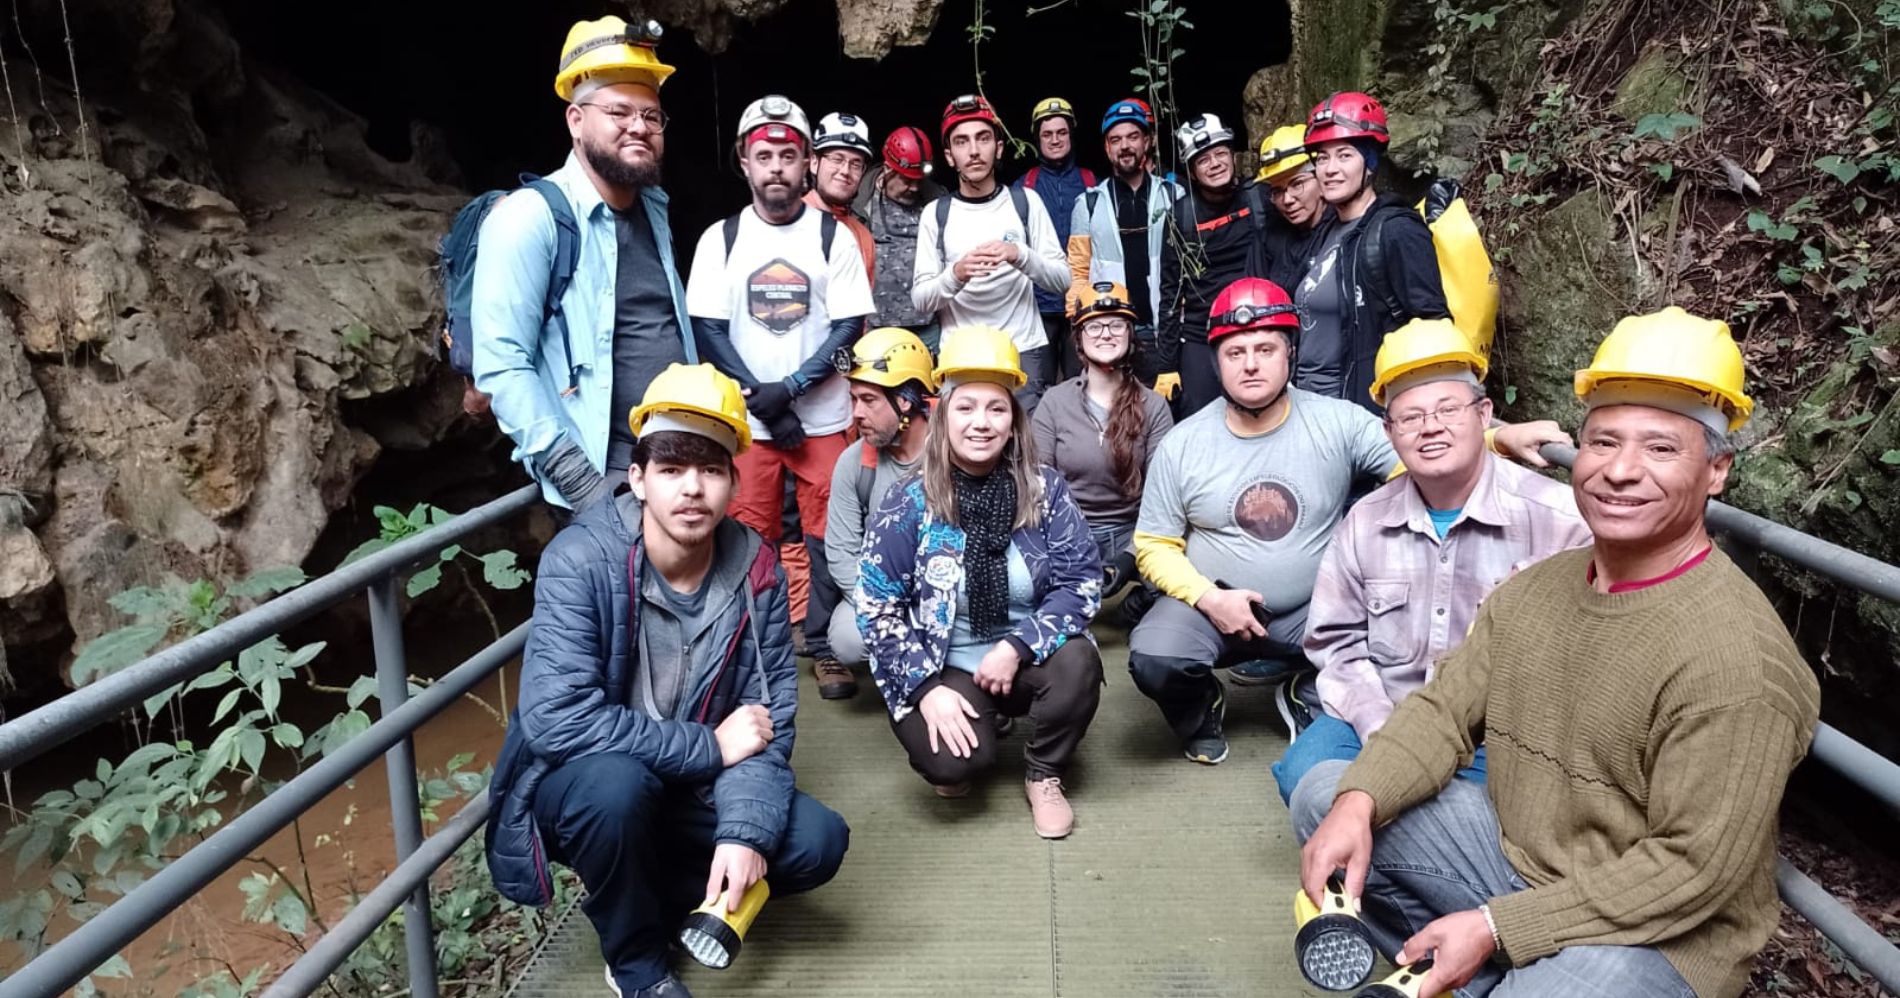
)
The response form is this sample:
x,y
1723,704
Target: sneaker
x,y
835,681
1257,672
1049,808
952,791
666,987
1294,711
1209,746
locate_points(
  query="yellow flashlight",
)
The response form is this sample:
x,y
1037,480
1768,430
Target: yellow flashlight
x,y
713,935
1404,983
1332,945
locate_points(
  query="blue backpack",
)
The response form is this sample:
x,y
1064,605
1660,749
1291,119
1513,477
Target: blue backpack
x,y
457,253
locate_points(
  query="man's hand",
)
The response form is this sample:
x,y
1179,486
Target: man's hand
x,y
769,401
1168,385
735,868
978,262
1459,944
1341,842
947,717
1231,611
1521,441
787,432
997,672
743,734
1004,251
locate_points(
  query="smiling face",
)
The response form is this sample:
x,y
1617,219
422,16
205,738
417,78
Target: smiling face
x,y
1643,476
1254,366
839,172
1105,339
774,171
1052,139
1341,171
1213,170
610,130
1127,148
978,420
972,151
1437,429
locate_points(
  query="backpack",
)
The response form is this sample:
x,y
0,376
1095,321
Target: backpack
x,y
1016,197
1034,174
456,255
827,231
1464,268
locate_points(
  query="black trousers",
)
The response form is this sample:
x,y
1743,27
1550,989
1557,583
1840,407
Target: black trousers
x,y
1059,696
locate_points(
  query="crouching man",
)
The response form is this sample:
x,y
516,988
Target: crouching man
x,y
1641,705
651,751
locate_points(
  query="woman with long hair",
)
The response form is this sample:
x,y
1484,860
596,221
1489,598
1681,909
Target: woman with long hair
x,y
1098,429
976,588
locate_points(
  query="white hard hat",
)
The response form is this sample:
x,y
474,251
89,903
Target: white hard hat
x,y
1200,135
773,109
843,131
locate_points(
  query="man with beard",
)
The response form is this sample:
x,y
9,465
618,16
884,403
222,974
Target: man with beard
x,y
1058,179
1116,226
774,296
892,201
1240,501
892,379
652,752
624,312
1216,229
1287,172
841,155
983,250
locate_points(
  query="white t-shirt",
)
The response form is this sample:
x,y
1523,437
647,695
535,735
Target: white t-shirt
x,y
779,295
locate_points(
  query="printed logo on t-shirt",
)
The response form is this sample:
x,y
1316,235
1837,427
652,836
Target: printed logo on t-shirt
x,y
1267,509
778,296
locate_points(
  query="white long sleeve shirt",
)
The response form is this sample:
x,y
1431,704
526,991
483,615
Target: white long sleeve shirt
x,y
1005,297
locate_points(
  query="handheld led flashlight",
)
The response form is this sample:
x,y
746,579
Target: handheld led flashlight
x,y
1332,945
713,935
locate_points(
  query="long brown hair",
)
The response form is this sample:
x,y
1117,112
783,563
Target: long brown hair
x,y
1019,457
1127,430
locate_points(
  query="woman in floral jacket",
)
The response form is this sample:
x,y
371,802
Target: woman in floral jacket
x,y
976,589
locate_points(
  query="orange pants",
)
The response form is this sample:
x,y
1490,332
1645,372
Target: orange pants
x,y
760,499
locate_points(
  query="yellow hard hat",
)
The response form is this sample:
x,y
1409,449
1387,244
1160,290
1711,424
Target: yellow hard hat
x,y
1283,153
1051,107
695,390
889,357
1100,298
611,51
1418,347
980,353
1672,347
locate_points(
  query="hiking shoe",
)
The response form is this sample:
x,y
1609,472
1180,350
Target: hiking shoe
x,y
1209,746
1294,711
952,791
1257,672
835,681
1049,807
666,987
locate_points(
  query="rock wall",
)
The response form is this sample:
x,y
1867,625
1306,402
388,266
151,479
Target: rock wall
x,y
199,264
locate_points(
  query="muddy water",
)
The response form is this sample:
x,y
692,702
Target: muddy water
x,y
347,841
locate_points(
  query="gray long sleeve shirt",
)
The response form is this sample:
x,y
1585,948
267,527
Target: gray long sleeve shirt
x,y
845,515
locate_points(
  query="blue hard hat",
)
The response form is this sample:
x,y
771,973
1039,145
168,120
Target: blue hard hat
x,y
1130,110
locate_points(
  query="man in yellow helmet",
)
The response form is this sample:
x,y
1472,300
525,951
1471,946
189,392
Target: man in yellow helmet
x,y
1406,568
1058,178
892,384
1641,704
652,748
557,376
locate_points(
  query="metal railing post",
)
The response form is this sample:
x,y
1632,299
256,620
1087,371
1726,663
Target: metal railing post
x,y
405,809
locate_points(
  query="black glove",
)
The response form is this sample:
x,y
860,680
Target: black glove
x,y
769,401
574,477
787,432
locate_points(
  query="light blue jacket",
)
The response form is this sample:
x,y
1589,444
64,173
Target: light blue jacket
x,y
520,361
1100,242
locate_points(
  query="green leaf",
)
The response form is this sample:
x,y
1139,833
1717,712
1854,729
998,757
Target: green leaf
x,y
425,580
499,570
287,735
1665,126
305,655
156,702
343,728
64,882
361,690
288,911
251,748
115,967
1838,167
1760,221
1666,171
268,582
458,760
224,707
367,548
270,690
1890,457
143,601
114,650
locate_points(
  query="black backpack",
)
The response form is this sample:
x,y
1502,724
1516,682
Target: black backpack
x,y
457,268
827,231
1016,197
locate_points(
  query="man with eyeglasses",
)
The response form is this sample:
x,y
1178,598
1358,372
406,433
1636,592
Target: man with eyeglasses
x,y
1207,247
1058,178
841,153
625,309
774,295
1406,569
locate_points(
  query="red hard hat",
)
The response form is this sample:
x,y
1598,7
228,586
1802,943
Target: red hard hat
x,y
969,107
907,152
1252,303
1347,115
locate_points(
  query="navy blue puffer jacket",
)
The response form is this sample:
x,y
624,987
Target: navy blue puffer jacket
x,y
577,689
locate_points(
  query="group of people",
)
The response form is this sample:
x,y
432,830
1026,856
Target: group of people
x,y
1542,730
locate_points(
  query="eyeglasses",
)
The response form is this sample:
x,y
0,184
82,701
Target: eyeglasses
x,y
1103,329
844,162
624,115
1449,415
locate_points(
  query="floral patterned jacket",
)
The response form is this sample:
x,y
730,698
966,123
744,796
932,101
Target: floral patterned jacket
x,y
913,563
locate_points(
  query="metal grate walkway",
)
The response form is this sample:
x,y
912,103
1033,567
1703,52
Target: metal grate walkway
x,y
1178,880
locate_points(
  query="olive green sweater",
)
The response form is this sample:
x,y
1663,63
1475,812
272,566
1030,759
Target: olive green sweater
x,y
1637,744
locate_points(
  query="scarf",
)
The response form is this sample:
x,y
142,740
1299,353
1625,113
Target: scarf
x,y
986,510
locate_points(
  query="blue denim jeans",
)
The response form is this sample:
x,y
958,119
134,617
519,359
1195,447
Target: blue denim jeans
x,y
1444,856
1329,737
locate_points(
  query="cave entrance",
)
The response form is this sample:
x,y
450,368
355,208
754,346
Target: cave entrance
x,y
482,74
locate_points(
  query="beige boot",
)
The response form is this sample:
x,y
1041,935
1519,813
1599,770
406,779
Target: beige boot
x,y
1049,808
